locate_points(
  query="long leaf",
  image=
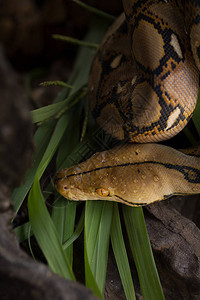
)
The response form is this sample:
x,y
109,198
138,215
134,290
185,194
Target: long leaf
x,y
46,234
23,231
95,10
121,255
142,253
77,232
41,138
98,217
90,280
65,211
53,143
52,110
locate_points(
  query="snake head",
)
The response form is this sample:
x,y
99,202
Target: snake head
x,y
76,184
134,175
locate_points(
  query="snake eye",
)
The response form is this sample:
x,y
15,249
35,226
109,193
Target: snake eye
x,y
103,192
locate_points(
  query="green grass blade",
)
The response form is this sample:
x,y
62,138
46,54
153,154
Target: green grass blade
x,y
69,39
98,217
85,55
90,280
49,143
63,209
73,131
85,121
102,246
41,139
95,10
49,111
29,244
121,255
56,83
57,217
69,221
65,217
55,110
23,231
142,253
46,234
77,232
54,142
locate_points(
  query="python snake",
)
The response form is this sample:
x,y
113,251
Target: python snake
x,y
143,88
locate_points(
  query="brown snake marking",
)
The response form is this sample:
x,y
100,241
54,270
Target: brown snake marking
x,y
145,96
145,74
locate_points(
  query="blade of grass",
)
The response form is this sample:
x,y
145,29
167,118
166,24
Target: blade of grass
x,y
29,244
55,110
102,246
95,10
41,138
68,212
23,231
98,217
54,142
77,232
44,113
46,234
90,280
85,121
142,253
85,55
56,83
121,255
33,74
73,131
57,217
63,215
74,41
38,212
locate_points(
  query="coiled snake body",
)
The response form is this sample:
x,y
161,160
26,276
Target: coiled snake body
x,y
143,88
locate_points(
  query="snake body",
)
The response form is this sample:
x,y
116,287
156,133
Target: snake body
x,y
143,78
143,88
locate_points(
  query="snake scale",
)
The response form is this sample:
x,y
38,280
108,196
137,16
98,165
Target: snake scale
x,y
143,88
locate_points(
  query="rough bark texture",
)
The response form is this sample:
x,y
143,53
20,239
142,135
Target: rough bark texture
x,y
176,244
28,279
21,277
